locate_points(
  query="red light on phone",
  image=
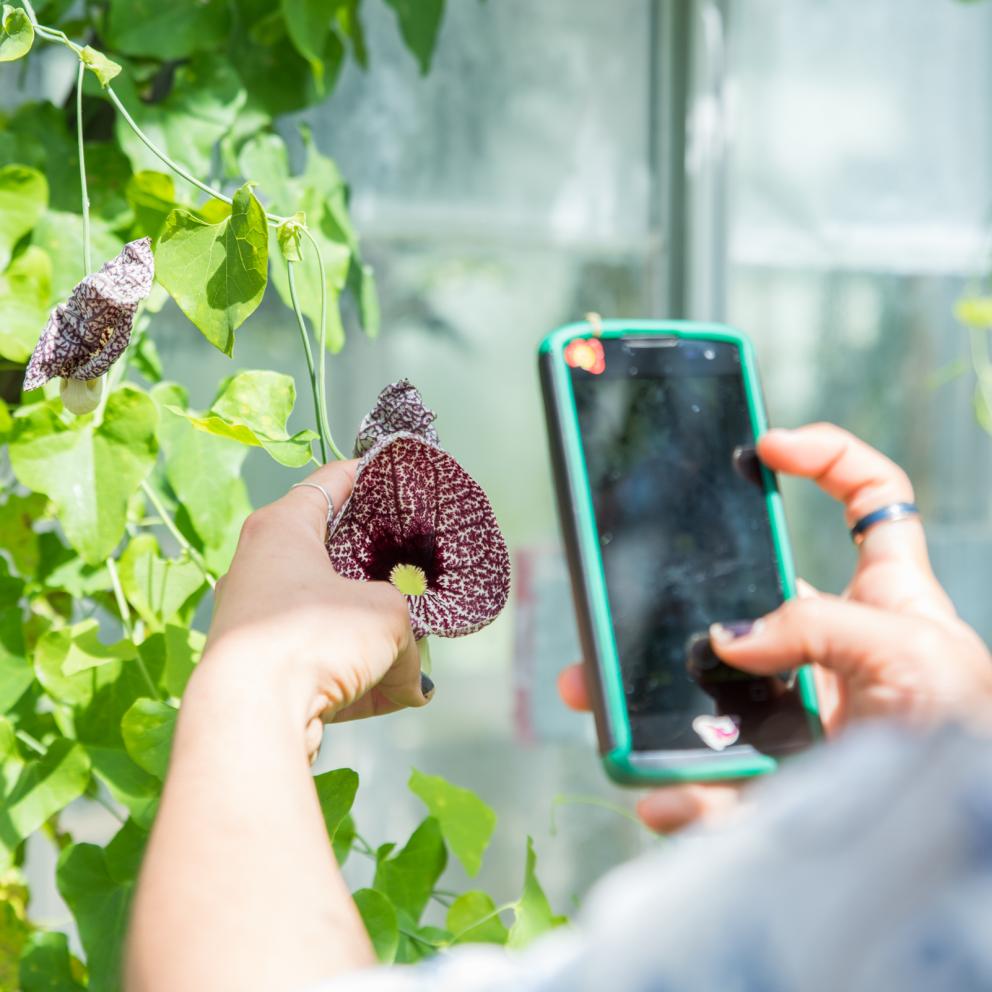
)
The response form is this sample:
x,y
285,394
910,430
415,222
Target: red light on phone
x,y
586,354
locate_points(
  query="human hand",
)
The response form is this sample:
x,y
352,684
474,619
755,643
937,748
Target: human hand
x,y
891,646
284,621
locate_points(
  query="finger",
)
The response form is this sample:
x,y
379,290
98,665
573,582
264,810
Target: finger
x,y
805,590
857,475
572,688
851,639
404,684
337,478
678,806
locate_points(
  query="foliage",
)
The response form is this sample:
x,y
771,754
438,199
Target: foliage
x,y
115,524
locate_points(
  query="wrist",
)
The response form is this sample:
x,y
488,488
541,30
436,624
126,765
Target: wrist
x,y
239,676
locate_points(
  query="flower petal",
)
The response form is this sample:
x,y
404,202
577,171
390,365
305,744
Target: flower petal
x,y
85,335
412,503
398,408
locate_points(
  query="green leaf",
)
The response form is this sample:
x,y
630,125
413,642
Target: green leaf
x,y
278,79
308,26
131,786
25,289
408,878
336,793
17,535
215,501
344,837
145,360
174,652
152,196
974,311
16,671
23,199
379,916
97,884
86,651
252,408
16,34
89,472
533,914
216,272
147,729
44,787
46,964
420,21
157,587
465,914
165,31
105,69
14,933
201,107
466,822
60,236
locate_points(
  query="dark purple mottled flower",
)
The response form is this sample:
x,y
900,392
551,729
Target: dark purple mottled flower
x,y
417,519
85,335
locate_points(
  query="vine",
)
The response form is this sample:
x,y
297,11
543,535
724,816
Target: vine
x,y
83,716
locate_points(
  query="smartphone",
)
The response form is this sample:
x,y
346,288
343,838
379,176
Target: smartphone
x,y
671,523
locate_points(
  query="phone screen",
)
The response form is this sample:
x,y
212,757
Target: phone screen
x,y
685,540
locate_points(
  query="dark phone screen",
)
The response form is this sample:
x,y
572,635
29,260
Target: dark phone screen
x,y
685,539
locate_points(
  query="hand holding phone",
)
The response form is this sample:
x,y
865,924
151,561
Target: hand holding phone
x,y
671,524
895,625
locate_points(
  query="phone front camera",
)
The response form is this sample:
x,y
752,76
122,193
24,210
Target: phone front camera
x,y
709,354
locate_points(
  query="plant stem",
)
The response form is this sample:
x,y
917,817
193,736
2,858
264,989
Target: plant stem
x,y
170,525
87,251
97,798
322,343
308,351
25,738
485,919
122,609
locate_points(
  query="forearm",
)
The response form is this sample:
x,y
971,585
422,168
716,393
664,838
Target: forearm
x,y
239,888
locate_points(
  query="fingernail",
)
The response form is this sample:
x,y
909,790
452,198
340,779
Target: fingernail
x,y
700,657
747,464
426,686
734,630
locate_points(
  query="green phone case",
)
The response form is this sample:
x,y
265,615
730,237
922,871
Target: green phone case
x,y
622,763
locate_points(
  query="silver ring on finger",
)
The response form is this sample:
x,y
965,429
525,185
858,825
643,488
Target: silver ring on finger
x,y
321,489
884,515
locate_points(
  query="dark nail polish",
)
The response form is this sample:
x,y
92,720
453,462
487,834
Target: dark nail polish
x,y
747,464
426,685
700,657
731,630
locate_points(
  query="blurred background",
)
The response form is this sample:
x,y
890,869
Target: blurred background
x,y
815,172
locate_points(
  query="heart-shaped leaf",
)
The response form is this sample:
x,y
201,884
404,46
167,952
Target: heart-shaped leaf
x,y
16,34
88,470
157,587
252,408
147,729
466,822
379,916
216,272
23,199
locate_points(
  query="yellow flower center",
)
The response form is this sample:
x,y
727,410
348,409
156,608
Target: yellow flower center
x,y
409,579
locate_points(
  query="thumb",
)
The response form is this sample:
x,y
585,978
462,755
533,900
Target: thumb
x,y
851,639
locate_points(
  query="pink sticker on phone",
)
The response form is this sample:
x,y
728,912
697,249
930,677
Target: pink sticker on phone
x,y
716,732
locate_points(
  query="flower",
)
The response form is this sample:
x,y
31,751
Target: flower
x,y
417,519
85,335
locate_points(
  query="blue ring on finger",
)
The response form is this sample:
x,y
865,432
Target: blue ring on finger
x,y
887,514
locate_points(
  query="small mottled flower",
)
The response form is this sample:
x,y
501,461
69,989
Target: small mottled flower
x,y
85,335
417,519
